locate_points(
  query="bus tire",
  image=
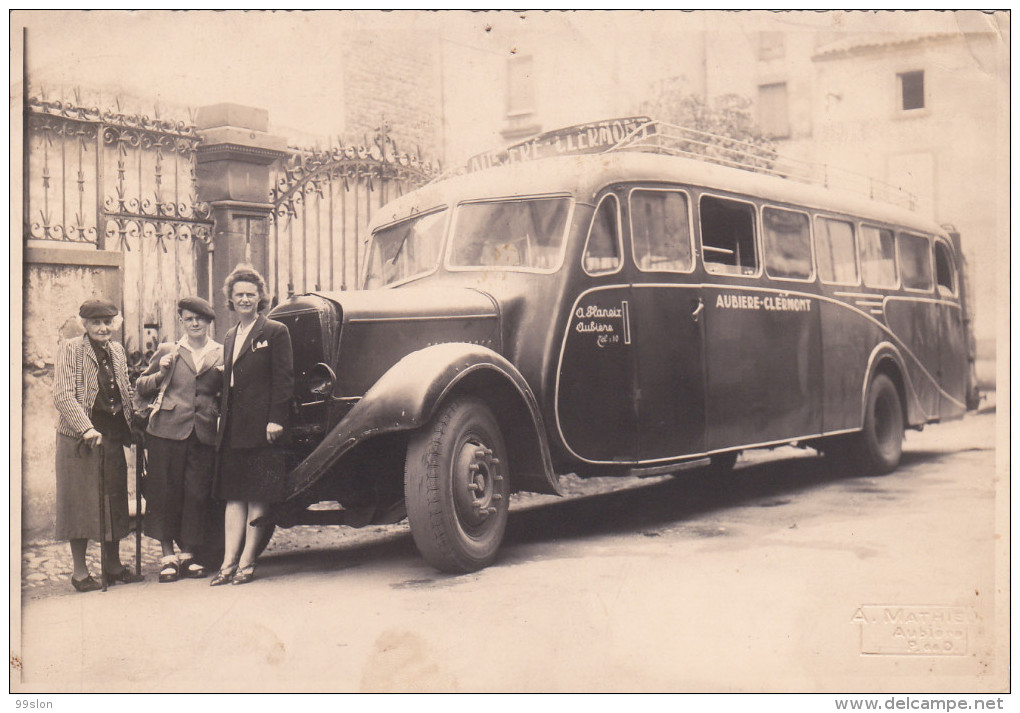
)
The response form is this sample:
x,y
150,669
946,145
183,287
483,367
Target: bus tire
x,y
456,487
880,443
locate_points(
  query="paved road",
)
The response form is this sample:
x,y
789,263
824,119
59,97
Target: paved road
x,y
781,577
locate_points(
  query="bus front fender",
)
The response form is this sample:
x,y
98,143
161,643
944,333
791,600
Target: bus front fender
x,y
408,394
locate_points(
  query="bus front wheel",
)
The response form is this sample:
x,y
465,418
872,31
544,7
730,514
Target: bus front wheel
x,y
456,487
880,443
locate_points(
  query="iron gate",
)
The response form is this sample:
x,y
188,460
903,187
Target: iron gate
x,y
121,182
322,204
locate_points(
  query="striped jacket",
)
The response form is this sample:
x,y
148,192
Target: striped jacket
x,y
76,384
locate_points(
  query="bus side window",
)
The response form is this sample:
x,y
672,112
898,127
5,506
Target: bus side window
x,y
660,230
945,274
787,244
835,250
878,257
914,253
727,236
602,252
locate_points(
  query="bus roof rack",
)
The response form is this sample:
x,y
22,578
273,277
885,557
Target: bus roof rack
x,y
673,140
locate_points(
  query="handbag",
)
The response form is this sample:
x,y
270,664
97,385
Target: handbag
x,y
143,407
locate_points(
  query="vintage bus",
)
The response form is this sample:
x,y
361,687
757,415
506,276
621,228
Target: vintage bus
x,y
628,310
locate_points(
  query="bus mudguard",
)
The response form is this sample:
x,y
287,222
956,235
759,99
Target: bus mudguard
x,y
408,394
886,353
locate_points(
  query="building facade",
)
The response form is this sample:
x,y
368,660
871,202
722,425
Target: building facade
x,y
918,100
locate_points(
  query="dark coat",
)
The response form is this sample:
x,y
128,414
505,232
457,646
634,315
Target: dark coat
x,y
263,384
190,402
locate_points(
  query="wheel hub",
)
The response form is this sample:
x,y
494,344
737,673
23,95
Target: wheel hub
x,y
477,483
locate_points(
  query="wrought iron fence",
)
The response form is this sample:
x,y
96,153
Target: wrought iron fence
x,y
322,204
121,182
116,181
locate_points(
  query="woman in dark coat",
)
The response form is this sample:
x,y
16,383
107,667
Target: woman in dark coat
x,y
184,379
258,385
93,400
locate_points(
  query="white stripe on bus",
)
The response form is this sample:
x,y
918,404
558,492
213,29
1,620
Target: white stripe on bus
x,y
880,325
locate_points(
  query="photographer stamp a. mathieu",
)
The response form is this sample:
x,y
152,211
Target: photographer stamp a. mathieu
x,y
913,630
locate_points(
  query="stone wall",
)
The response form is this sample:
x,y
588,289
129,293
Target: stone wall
x,y
396,76
56,282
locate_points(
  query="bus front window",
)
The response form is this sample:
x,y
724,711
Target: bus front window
x,y
405,250
510,234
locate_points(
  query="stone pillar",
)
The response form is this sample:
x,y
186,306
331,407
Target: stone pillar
x,y
233,168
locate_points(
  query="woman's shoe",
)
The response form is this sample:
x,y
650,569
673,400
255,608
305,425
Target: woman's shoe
x,y
124,576
190,569
244,575
224,576
86,585
168,571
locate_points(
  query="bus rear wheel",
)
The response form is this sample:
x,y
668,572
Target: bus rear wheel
x,y
880,443
455,487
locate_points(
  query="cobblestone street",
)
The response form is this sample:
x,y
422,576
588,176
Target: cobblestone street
x,y
46,564
659,586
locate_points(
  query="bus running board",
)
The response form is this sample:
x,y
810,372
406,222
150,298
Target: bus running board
x,y
653,470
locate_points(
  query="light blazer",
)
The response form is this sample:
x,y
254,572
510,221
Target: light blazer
x,y
76,384
190,402
263,384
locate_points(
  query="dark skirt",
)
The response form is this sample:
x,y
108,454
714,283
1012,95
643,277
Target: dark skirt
x,y
252,474
178,490
78,491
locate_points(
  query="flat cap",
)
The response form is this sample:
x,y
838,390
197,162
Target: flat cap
x,y
94,309
198,306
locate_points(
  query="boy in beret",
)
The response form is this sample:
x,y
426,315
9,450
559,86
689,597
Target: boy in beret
x,y
183,379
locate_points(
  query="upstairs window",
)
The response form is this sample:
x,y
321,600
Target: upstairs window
x,y
727,236
771,45
602,252
945,270
787,243
878,257
835,251
773,110
914,253
520,86
911,90
660,226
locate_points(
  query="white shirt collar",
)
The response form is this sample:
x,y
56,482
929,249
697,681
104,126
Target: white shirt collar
x,y
200,355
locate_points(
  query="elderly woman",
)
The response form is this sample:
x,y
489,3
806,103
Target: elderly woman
x,y
93,399
184,380
258,384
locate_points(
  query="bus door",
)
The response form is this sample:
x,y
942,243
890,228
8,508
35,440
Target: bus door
x,y
596,409
952,332
666,321
763,343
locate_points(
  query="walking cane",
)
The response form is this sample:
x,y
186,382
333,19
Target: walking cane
x,y
102,513
139,468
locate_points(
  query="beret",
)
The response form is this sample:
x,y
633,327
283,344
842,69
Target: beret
x,y
94,309
198,306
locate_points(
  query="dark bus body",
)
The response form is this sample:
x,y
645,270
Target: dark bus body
x,y
611,314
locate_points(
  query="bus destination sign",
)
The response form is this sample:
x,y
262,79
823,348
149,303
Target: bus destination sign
x,y
579,139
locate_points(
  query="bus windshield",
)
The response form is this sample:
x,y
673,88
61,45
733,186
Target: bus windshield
x,y
510,234
405,250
